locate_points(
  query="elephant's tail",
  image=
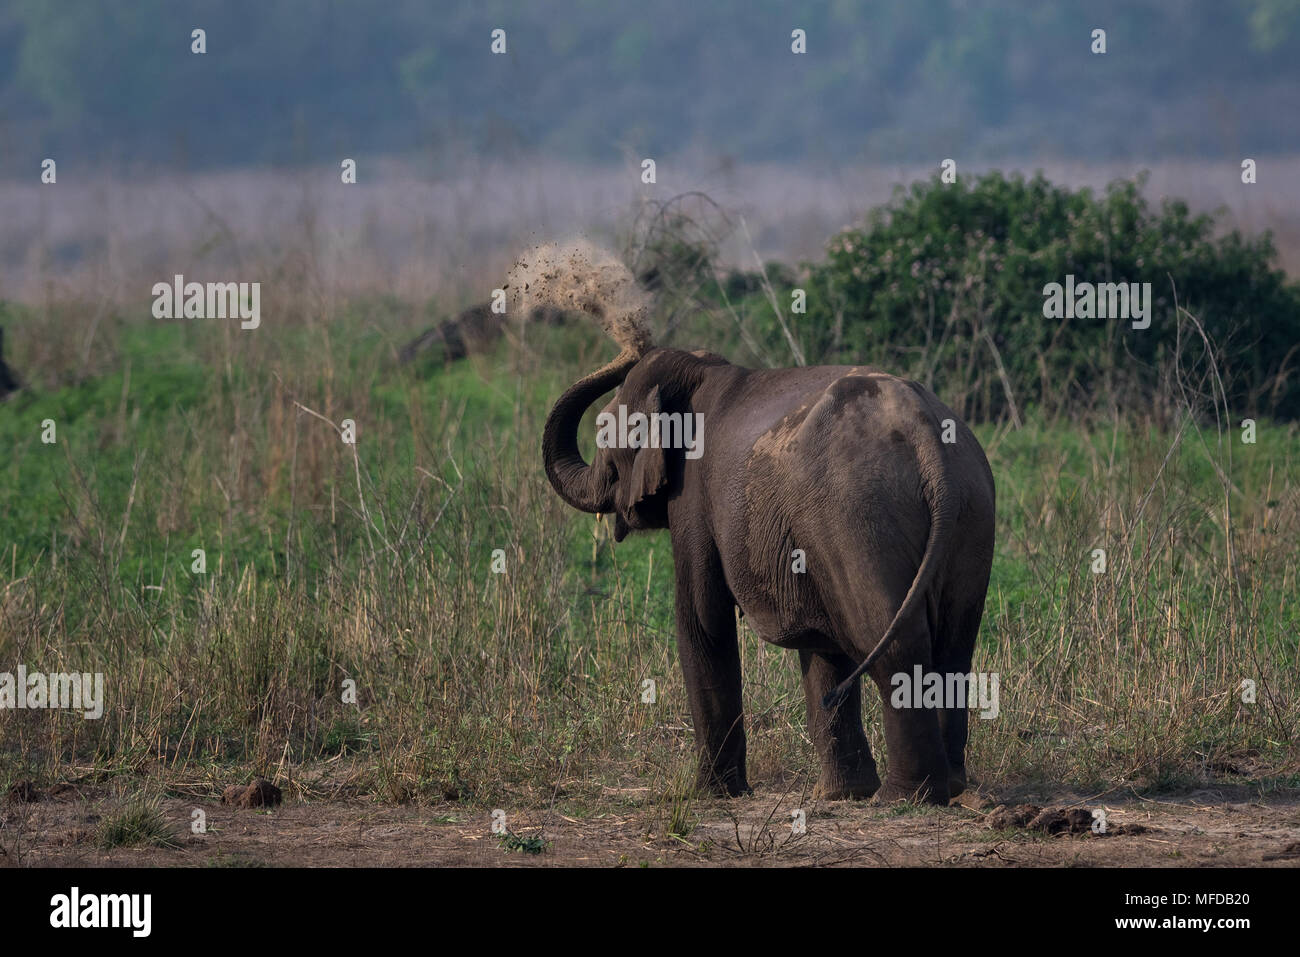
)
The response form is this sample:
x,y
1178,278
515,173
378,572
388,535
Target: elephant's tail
x,y
943,519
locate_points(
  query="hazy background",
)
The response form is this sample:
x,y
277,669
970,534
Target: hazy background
x,y
290,82
170,161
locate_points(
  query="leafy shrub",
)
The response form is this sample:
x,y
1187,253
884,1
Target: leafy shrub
x,y
946,284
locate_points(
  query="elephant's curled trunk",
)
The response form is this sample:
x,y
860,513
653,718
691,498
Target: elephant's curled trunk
x,y
576,481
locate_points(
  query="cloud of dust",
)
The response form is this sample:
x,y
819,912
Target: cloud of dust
x,y
582,277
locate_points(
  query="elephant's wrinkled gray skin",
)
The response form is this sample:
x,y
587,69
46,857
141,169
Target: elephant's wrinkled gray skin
x,y
845,463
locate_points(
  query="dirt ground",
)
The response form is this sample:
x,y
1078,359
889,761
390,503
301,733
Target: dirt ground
x,y
626,827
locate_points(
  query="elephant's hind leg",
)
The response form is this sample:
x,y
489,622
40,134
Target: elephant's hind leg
x,y
918,763
953,657
847,768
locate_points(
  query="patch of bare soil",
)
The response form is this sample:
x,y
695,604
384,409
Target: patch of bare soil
x,y
627,828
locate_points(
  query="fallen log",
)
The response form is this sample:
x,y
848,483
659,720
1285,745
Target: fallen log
x,y
472,331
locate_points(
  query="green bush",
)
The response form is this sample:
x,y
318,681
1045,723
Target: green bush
x,y
946,282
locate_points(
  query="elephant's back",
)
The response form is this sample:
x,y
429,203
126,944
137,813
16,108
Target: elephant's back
x,y
827,470
826,467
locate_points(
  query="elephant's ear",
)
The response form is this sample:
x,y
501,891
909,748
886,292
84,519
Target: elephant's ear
x,y
650,467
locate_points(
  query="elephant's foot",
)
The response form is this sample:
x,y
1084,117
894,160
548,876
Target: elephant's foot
x,y
915,792
838,785
959,781
722,783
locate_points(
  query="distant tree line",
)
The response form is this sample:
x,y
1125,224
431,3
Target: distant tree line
x,y
300,81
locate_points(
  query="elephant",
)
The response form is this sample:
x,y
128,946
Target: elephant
x,y
867,479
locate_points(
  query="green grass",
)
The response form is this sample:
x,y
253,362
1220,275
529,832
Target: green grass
x,y
139,823
323,567
510,841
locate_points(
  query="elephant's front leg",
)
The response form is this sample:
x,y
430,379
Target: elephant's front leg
x,y
710,656
847,768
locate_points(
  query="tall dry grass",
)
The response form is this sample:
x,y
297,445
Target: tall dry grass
x,y
330,563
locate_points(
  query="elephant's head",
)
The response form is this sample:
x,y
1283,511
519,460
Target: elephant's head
x,y
634,483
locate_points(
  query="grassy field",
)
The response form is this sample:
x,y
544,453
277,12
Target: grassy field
x,y
329,563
